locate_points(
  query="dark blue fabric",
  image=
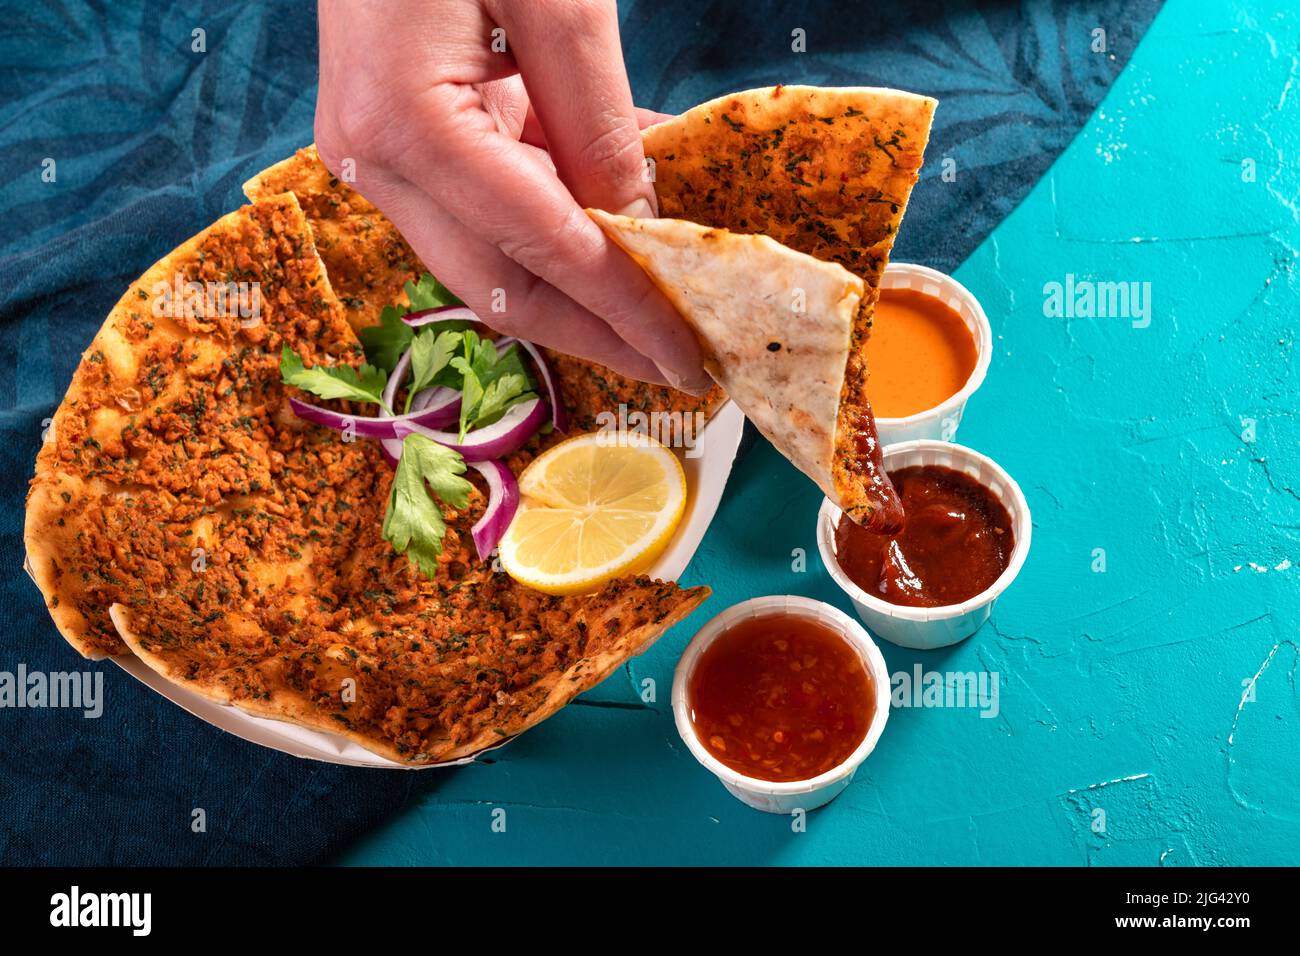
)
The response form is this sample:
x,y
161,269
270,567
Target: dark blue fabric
x,y
151,142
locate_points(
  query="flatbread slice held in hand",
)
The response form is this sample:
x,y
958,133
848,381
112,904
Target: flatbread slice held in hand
x,y
774,325
824,172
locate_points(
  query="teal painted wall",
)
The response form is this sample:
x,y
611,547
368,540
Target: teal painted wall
x,y
1161,692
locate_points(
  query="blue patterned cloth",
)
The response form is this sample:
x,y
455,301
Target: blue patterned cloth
x,y
149,142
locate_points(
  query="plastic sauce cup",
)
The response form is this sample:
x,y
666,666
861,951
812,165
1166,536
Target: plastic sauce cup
x,y
941,421
783,796
925,628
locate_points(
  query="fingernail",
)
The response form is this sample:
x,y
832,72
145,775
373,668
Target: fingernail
x,y
701,386
695,386
639,208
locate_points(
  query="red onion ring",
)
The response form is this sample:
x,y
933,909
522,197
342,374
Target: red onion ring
x,y
503,501
446,313
395,379
504,436
559,415
364,426
439,396
443,313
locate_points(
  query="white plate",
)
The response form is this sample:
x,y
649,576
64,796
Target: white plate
x,y
706,476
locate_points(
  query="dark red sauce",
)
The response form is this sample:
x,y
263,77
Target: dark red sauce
x,y
955,542
888,517
781,697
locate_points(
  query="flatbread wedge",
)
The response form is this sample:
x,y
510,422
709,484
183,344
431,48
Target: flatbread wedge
x,y
774,325
367,259
419,694
160,440
181,512
825,172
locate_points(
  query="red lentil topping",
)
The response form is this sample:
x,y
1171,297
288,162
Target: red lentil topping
x,y
368,260
591,390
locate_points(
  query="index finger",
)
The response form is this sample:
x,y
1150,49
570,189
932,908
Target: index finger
x,y
572,64
533,135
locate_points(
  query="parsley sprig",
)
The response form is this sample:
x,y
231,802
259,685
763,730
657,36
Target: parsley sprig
x,y
413,522
384,343
364,384
431,357
491,382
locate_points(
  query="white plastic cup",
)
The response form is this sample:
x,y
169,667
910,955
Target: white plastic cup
x,y
941,421
774,796
926,628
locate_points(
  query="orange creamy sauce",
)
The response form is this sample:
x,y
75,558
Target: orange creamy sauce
x,y
781,697
920,353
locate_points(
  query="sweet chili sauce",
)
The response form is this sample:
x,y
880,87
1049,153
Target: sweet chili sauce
x,y
781,697
955,542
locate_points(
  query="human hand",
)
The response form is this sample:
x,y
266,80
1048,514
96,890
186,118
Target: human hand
x,y
431,106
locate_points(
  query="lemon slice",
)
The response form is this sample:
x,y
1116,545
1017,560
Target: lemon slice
x,y
593,508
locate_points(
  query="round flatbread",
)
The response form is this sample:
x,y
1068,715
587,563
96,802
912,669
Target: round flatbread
x,y
182,513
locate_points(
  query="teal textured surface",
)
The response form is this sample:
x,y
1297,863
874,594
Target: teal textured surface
x,y
1148,712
